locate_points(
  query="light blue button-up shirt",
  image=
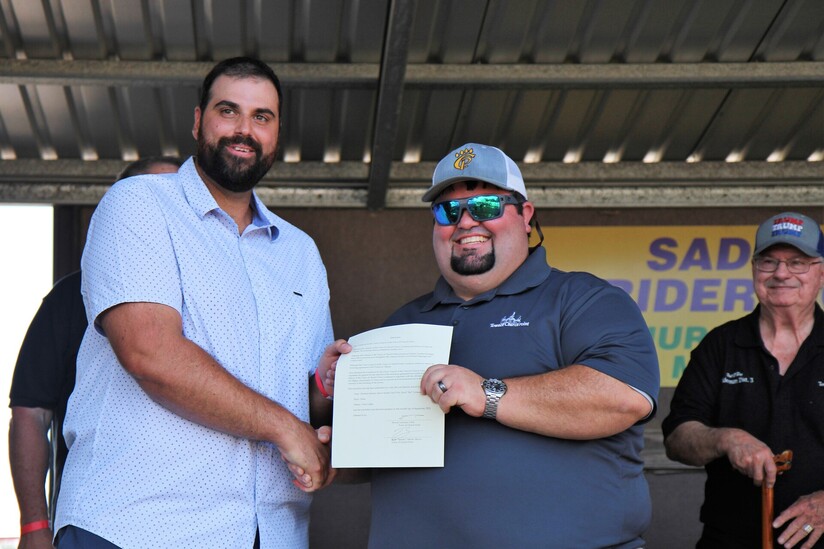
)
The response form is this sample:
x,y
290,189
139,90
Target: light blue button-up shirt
x,y
137,474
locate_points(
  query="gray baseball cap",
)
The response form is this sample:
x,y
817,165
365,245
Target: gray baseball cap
x,y
790,228
476,162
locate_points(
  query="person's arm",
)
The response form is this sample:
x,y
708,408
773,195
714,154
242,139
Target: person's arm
x,y
694,443
576,402
179,375
29,460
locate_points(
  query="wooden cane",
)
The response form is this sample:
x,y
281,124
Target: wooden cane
x,y
783,462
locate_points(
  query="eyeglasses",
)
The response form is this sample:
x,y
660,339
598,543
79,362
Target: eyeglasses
x,y
481,208
795,265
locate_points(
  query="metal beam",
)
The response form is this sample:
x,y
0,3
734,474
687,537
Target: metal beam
x,y
329,174
744,194
365,75
582,185
658,173
164,73
390,92
618,75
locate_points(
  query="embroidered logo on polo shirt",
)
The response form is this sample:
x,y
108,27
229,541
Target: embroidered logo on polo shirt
x,y
735,378
510,321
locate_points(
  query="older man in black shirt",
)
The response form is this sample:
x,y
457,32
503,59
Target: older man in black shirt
x,y
754,388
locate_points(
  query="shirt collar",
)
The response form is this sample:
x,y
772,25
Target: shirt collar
x,y
531,273
202,202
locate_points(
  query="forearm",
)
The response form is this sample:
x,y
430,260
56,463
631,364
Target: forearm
x,y
185,379
192,385
576,403
694,443
29,460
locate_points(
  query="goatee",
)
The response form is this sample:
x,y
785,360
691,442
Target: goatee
x,y
473,264
232,173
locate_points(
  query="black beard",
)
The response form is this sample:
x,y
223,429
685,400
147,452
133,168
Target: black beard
x,y
232,174
472,264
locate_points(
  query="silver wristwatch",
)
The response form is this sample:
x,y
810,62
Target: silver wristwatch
x,y
494,389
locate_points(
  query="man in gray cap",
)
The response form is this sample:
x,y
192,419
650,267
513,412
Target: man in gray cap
x,y
551,375
754,388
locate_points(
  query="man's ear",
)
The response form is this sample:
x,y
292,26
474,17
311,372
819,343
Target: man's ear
x,y
196,125
529,213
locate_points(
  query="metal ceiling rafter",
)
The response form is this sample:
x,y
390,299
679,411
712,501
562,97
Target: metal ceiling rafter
x,y
489,76
356,172
579,185
388,104
582,196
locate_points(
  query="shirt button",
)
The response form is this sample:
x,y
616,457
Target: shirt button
x,y
454,322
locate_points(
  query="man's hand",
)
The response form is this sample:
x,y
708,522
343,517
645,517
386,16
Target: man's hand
x,y
328,363
748,455
463,388
309,459
807,512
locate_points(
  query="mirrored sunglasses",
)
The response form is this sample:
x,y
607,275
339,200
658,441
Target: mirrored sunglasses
x,y
481,208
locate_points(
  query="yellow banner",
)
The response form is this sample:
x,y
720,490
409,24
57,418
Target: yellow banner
x,y
686,280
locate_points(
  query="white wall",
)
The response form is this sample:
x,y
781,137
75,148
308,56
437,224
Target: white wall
x,y
26,276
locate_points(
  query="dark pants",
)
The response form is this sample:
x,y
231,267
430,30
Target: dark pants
x,y
72,537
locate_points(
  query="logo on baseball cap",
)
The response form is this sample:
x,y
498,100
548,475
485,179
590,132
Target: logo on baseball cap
x,y
476,162
790,228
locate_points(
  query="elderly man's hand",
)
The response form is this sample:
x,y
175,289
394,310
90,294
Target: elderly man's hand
x,y
748,455
804,520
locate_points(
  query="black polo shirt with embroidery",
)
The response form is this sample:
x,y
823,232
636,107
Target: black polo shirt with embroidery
x,y
732,381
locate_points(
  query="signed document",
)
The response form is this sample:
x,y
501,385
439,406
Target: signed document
x,y
381,418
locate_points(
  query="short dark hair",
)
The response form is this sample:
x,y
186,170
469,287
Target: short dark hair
x,y
239,67
142,165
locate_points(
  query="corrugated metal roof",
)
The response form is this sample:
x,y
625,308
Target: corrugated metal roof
x,y
601,102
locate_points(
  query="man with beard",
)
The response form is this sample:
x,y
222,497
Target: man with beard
x,y
551,376
752,389
207,314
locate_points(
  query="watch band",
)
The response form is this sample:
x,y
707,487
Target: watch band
x,y
491,408
494,390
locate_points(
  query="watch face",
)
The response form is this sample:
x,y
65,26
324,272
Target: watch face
x,y
495,385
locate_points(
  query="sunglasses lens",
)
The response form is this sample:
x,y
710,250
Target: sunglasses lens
x,y
447,213
484,208
481,208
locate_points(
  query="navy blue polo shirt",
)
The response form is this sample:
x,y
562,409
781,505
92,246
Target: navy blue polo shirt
x,y
502,487
733,381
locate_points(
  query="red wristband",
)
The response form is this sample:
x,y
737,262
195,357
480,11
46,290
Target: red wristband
x,y
320,386
30,527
